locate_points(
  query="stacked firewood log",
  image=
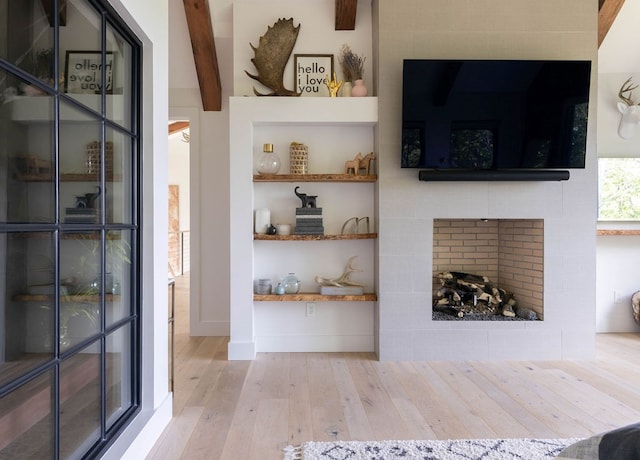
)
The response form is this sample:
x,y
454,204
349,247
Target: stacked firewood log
x,y
463,293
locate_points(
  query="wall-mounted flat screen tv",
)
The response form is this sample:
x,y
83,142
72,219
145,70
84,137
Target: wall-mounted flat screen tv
x,y
494,114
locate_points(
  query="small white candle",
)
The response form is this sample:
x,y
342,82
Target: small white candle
x,y
262,220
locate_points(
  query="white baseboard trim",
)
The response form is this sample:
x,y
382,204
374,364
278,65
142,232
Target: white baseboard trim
x,y
241,351
315,343
210,329
140,436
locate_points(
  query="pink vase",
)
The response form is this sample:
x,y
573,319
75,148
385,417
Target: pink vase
x,y
359,89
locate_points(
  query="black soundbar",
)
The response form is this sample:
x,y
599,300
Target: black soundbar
x,y
448,175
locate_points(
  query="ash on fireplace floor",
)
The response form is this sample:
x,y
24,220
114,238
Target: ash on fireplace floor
x,y
439,316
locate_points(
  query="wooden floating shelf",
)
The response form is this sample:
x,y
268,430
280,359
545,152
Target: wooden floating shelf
x,y
315,296
618,232
314,178
63,298
358,236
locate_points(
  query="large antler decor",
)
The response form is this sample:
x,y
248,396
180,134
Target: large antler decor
x,y
629,110
271,56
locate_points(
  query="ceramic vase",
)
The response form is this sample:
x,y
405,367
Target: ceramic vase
x,y
346,89
359,89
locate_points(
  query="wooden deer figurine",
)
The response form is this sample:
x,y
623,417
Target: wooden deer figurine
x,y
365,163
353,166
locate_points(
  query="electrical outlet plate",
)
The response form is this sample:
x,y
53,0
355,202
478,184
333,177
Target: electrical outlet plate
x,y
617,297
311,309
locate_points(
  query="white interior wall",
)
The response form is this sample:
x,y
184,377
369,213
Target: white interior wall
x,y
317,35
616,254
616,274
278,326
482,29
184,92
209,188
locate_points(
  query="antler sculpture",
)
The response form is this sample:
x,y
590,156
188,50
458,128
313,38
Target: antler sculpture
x,y
271,56
344,280
627,87
629,110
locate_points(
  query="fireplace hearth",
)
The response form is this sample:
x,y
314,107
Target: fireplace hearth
x,y
477,297
488,269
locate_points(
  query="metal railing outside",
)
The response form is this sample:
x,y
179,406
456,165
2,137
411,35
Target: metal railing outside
x,y
180,252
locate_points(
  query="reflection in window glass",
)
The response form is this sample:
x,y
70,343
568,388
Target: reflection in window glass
x,y
118,378
117,195
79,402
27,191
29,410
118,275
30,43
80,74
619,188
119,106
27,332
80,274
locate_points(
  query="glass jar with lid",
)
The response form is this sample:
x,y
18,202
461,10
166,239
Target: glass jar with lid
x,y
269,161
291,284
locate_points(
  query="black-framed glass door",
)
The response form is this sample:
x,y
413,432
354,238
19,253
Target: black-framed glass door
x,y
69,227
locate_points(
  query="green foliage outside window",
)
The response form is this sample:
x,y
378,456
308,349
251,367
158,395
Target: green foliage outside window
x,y
619,188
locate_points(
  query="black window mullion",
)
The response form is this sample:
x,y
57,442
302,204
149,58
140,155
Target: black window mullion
x,y
57,234
103,234
56,411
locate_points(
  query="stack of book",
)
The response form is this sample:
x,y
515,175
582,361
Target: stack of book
x,y
81,215
309,221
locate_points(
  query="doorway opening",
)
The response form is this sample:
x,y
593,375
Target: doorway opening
x,y
179,237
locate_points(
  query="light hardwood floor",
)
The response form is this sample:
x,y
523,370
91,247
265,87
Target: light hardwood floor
x,y
251,410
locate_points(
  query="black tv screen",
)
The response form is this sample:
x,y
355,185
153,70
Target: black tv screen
x,y
494,114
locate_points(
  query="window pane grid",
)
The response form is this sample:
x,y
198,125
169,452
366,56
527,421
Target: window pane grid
x,y
68,228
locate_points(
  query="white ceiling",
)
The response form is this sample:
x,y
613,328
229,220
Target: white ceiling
x,y
620,50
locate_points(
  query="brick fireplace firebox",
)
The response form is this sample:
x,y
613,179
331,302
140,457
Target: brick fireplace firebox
x,y
510,252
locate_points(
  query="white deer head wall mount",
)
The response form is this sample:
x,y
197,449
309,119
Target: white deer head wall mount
x,y
629,109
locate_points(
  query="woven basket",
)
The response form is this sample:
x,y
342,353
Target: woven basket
x,y
298,158
93,158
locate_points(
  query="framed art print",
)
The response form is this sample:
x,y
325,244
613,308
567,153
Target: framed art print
x,y
83,72
311,72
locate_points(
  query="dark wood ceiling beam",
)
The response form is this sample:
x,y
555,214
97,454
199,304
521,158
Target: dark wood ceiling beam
x,y
204,53
346,14
608,11
178,126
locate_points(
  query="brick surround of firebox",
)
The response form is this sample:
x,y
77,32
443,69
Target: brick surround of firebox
x,y
510,252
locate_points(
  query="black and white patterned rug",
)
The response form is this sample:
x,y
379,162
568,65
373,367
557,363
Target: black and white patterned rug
x,y
460,449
